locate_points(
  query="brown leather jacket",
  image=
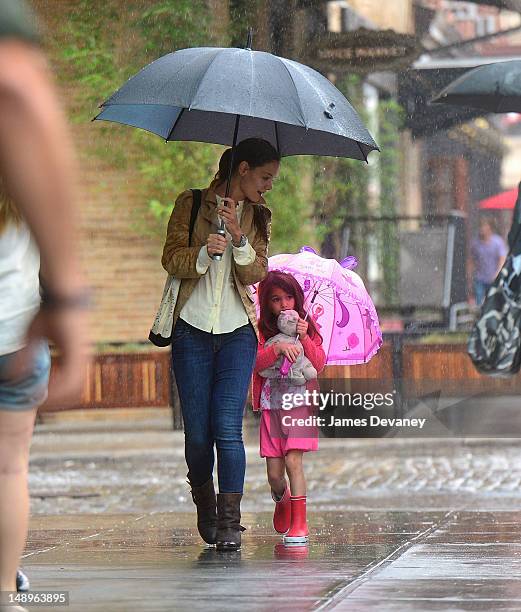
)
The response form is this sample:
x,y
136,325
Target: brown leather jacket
x,y
179,259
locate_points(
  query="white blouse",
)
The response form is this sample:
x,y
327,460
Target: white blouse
x,y
215,304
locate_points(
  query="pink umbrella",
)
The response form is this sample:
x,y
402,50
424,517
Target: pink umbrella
x,y
337,301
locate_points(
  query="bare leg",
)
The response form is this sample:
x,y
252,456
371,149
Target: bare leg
x,y
295,470
15,437
276,476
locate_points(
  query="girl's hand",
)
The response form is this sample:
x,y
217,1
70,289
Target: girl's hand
x,y
216,244
289,350
229,215
302,329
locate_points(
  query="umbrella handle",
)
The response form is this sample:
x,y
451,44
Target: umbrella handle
x,y
221,230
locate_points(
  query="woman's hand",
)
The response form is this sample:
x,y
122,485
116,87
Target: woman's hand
x,y
216,244
289,350
228,214
302,329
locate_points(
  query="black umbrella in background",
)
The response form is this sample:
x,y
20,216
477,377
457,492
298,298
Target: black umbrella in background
x,y
495,88
224,95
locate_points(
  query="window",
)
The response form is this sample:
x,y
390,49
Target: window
x,y
440,186
336,15
464,12
485,25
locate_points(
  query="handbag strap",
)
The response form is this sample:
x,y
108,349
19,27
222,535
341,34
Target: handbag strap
x,y
510,250
196,205
516,238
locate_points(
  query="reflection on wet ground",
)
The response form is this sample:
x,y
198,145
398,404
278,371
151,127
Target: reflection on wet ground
x,y
395,525
356,561
158,560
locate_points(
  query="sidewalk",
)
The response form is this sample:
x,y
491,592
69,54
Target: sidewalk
x,y
395,525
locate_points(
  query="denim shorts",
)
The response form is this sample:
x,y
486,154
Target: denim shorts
x,y
30,391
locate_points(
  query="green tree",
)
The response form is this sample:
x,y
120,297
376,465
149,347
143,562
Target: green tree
x,y
96,52
341,193
390,119
291,202
101,44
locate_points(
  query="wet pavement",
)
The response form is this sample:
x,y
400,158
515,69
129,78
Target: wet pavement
x,y
394,525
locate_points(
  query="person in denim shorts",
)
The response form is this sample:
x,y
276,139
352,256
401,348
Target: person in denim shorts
x,y
24,376
37,171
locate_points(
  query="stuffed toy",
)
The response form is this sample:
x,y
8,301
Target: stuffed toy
x,y
300,371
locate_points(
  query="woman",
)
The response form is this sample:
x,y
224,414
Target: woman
x,y
24,373
215,335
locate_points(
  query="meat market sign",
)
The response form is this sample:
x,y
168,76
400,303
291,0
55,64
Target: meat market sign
x,y
364,50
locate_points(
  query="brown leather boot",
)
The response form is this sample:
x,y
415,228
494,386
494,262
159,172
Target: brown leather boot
x,y
204,499
228,521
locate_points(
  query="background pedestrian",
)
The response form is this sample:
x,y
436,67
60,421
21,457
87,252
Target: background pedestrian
x,y
488,255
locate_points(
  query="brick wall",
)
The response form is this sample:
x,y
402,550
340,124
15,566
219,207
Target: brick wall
x,y
121,263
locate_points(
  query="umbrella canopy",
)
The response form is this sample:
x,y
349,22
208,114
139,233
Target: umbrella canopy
x,y
493,87
505,200
338,303
222,96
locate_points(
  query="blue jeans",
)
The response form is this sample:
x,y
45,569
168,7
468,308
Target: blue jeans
x,y
480,291
30,390
213,372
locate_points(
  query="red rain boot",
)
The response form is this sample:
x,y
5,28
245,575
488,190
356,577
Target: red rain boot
x,y
282,514
298,532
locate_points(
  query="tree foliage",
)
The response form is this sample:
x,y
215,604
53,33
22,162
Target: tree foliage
x,y
390,116
100,44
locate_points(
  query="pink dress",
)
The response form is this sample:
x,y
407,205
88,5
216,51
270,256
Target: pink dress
x,y
284,430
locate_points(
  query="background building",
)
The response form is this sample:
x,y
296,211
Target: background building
x,y
399,54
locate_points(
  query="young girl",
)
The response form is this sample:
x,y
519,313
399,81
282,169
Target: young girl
x,y
281,443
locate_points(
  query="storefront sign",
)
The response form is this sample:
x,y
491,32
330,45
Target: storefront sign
x,y
364,51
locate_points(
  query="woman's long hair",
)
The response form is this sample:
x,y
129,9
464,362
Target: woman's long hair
x,y
256,152
288,283
8,211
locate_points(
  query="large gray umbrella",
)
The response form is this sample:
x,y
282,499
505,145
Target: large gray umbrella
x,y
493,87
222,96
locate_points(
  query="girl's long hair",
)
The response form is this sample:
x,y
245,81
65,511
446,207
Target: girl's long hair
x,y
256,152
288,283
8,211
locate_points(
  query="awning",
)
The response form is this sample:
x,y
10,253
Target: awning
x,y
424,81
501,201
509,5
416,88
